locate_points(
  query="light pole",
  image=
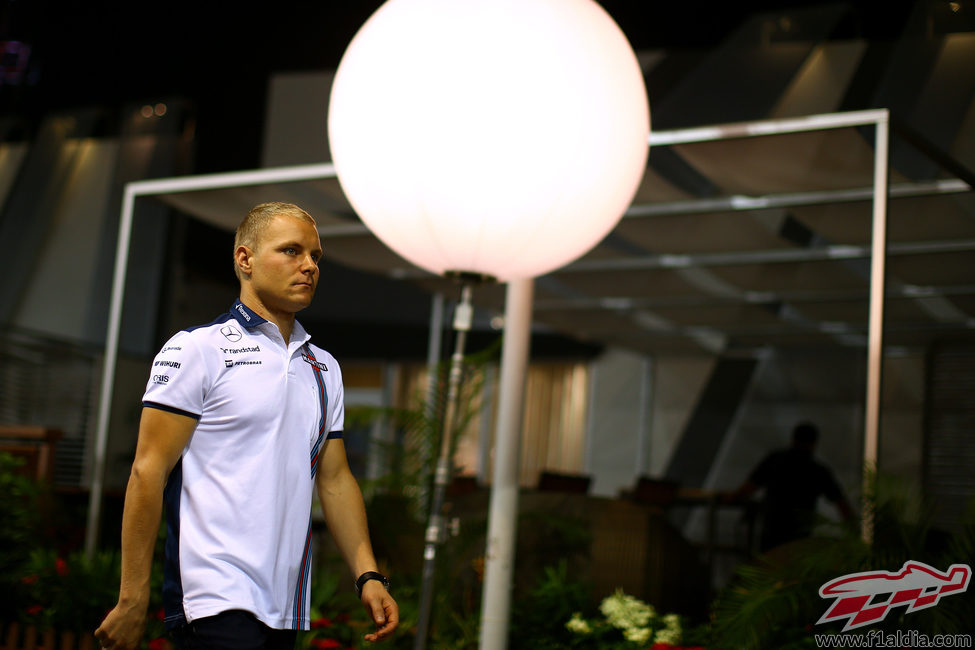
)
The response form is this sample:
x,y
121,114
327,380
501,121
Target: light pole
x,y
500,138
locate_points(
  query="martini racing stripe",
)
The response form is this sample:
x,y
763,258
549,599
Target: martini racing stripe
x,y
303,588
304,573
323,410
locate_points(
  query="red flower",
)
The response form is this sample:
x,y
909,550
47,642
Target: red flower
x,y
61,567
324,644
321,622
159,644
34,610
29,580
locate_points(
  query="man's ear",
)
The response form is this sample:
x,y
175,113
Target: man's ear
x,y
242,257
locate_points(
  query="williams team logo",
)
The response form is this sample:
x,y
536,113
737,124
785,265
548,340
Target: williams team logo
x,y
317,364
867,597
231,333
243,312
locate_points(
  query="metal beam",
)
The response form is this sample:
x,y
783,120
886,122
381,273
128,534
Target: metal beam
x,y
767,127
875,335
794,199
97,487
737,202
624,303
180,184
773,256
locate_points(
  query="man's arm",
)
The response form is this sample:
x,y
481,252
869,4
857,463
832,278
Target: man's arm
x,y
833,492
345,515
744,491
162,438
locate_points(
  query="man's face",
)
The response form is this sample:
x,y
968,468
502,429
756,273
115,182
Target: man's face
x,y
284,268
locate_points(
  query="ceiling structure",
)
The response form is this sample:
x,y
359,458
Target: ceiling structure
x,y
781,258
746,243
728,246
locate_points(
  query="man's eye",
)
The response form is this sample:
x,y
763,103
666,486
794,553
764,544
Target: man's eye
x,y
290,251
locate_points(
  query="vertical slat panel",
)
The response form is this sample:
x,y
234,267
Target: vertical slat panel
x,y
950,436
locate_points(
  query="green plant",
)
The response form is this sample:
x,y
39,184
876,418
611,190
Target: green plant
x,y
68,593
19,514
47,583
539,616
397,505
411,455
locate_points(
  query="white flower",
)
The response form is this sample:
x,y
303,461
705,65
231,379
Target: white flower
x,y
626,612
578,624
667,636
637,634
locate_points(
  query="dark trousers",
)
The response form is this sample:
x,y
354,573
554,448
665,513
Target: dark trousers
x,y
232,630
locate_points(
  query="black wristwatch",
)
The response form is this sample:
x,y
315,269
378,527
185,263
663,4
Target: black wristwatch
x,y
366,577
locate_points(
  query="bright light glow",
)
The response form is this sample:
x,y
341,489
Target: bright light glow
x,y
503,137
160,109
146,111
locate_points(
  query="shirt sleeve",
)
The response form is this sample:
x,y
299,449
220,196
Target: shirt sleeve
x,y
177,378
337,406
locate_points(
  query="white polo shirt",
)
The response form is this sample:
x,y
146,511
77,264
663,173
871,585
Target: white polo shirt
x,y
238,502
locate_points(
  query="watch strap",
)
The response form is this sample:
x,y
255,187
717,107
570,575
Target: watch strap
x,y
366,577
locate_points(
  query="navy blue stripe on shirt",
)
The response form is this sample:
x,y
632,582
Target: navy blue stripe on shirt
x,y
172,578
170,409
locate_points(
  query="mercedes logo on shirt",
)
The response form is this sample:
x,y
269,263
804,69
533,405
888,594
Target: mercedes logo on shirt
x,y
231,333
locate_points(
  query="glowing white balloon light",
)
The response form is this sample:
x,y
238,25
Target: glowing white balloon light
x,y
503,137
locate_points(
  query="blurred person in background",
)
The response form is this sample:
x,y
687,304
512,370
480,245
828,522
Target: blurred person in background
x,y
793,481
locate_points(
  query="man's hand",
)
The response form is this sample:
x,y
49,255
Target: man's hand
x,y
382,608
123,628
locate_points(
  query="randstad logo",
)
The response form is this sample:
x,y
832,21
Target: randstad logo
x,y
867,597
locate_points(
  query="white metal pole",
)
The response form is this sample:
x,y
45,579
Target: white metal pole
x,y
97,485
878,258
503,512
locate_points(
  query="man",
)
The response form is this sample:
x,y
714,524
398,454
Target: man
x,y
241,421
793,480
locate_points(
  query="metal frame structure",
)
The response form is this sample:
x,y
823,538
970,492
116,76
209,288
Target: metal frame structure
x,y
880,119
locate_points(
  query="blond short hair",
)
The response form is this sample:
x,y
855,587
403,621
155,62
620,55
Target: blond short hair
x,y
252,228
